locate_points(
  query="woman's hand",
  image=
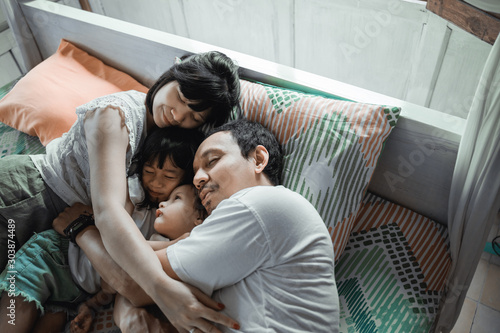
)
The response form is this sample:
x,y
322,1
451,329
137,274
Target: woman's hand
x,y
69,215
189,308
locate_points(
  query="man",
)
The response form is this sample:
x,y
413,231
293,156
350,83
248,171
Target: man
x,y
264,251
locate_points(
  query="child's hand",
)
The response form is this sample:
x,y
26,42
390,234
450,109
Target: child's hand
x,y
83,321
69,215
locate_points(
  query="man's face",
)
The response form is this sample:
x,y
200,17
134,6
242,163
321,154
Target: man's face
x,y
221,170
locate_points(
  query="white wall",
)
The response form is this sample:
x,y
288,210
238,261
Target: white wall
x,y
394,47
9,69
10,57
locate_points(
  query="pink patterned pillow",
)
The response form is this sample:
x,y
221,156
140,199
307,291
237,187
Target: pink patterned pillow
x,y
331,148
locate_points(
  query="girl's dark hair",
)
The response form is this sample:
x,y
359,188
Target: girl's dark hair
x,y
210,78
175,143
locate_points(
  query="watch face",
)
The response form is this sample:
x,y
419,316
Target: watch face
x,y
77,226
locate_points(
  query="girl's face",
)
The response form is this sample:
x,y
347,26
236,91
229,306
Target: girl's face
x,y
159,183
178,215
170,108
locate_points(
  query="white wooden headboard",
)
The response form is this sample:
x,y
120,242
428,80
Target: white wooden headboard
x,y
415,169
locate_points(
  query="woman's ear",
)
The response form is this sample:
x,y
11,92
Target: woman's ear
x,y
261,158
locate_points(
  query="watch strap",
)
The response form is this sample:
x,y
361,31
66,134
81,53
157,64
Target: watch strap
x,y
75,227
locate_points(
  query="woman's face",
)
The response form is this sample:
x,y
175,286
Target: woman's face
x,y
159,183
170,108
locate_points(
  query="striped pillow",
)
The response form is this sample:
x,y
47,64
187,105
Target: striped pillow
x,y
393,272
331,148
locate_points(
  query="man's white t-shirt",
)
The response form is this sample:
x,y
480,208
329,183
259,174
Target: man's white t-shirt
x,y
265,253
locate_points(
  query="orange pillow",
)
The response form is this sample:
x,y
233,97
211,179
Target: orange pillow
x,y
43,102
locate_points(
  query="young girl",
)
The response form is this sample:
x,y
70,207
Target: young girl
x,y
93,159
165,162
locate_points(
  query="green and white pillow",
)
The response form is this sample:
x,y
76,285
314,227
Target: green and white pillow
x,y
331,148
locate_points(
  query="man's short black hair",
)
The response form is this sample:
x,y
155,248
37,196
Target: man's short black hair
x,y
249,135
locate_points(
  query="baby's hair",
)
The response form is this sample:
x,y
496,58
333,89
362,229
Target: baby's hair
x,y
198,206
174,143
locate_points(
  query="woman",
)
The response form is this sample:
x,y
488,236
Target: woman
x,y
92,161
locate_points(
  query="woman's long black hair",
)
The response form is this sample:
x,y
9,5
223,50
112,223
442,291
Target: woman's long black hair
x,y
210,78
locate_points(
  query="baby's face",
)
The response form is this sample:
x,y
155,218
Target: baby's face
x,y
177,215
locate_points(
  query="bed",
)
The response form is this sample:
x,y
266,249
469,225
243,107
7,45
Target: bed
x,y
379,170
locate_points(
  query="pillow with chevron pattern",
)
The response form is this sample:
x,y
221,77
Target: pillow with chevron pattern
x,y
330,146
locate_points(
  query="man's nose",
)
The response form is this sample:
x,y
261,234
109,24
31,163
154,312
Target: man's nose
x,y
200,178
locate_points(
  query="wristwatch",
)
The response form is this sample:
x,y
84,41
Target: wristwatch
x,y
75,227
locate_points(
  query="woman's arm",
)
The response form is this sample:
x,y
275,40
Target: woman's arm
x,y
89,240
107,141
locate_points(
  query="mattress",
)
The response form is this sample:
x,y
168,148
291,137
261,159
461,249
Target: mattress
x,y
390,277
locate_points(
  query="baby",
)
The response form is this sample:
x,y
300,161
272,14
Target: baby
x,y
175,218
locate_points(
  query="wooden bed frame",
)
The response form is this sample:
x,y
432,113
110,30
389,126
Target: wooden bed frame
x,y
416,166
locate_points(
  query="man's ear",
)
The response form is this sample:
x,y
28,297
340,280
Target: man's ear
x,y
199,220
261,158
